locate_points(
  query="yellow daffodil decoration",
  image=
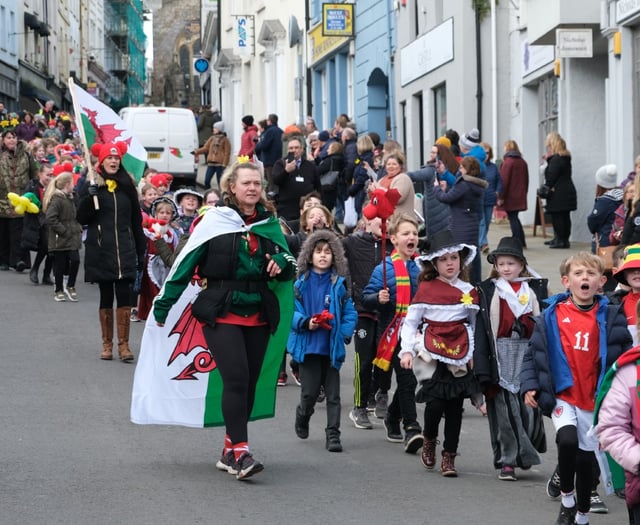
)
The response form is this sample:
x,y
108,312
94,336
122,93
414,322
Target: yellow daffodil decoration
x,y
9,123
466,299
243,159
111,185
523,298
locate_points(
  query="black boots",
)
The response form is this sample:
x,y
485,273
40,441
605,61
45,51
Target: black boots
x,y
560,244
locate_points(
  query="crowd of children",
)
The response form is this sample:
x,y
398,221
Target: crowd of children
x,y
515,353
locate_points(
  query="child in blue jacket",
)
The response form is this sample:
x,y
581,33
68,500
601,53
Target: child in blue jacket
x,y
324,319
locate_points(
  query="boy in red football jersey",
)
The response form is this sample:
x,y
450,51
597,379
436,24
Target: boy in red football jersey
x,y
576,339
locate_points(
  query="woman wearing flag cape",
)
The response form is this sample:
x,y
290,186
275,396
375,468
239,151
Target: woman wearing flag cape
x,y
244,308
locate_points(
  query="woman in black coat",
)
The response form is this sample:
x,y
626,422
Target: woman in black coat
x,y
115,243
562,198
333,162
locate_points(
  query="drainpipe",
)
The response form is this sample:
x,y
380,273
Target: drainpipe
x,y
494,79
478,73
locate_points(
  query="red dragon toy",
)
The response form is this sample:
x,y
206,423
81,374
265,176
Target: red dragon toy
x,y
382,203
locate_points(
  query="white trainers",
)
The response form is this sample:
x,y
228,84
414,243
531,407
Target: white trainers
x,y
71,294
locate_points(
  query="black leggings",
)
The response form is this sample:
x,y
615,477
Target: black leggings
x,y
65,262
574,464
451,409
122,290
239,352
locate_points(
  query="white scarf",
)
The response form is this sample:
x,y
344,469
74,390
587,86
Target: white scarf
x,y
521,302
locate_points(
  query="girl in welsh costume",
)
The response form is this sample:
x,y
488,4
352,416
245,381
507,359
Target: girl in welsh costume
x,y
509,300
437,341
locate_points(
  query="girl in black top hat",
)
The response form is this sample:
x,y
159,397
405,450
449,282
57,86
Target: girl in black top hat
x,y
509,300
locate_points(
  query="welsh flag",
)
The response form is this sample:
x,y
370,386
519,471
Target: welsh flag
x,y
176,381
99,123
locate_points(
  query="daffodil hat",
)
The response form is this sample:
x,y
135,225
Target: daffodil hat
x,y
443,243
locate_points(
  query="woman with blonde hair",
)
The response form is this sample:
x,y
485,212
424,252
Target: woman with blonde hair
x,y
358,189
561,197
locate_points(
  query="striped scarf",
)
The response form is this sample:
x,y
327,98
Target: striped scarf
x,y
389,340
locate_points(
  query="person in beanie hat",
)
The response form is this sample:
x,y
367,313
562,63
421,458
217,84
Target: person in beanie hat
x,y
115,243
608,199
218,151
247,142
438,329
509,299
469,140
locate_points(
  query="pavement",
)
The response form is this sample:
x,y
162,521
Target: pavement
x,y
544,260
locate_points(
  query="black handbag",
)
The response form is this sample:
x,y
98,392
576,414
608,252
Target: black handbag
x,y
329,180
210,304
544,191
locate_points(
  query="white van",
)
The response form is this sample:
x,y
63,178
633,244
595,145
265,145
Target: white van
x,y
170,136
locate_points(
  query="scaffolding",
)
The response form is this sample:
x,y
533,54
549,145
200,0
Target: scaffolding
x,y
125,57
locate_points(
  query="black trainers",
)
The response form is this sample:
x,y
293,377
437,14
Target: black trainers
x,y
333,443
567,515
394,434
227,463
246,466
597,506
413,441
553,484
302,426
360,418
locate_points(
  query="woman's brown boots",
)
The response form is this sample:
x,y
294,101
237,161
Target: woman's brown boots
x,y
106,325
123,321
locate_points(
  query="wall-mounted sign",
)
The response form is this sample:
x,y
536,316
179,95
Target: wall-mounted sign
x,y
626,9
337,20
201,65
535,57
574,43
245,35
321,47
427,53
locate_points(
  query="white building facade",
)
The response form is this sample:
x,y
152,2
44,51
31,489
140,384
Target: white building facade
x,y
261,63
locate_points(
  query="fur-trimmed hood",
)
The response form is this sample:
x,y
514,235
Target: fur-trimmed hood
x,y
339,260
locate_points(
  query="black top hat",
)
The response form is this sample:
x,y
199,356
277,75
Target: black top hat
x,y
508,246
442,243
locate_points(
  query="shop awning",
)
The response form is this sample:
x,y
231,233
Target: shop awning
x,y
30,90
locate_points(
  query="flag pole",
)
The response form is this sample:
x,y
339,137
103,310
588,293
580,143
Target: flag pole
x,y
83,140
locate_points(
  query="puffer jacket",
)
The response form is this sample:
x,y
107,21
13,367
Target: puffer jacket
x,y
376,283
65,232
601,218
340,306
115,241
363,252
464,200
17,168
557,176
437,215
618,426
545,368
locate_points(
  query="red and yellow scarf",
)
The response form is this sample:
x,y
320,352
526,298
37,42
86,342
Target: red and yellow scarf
x,y
389,339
